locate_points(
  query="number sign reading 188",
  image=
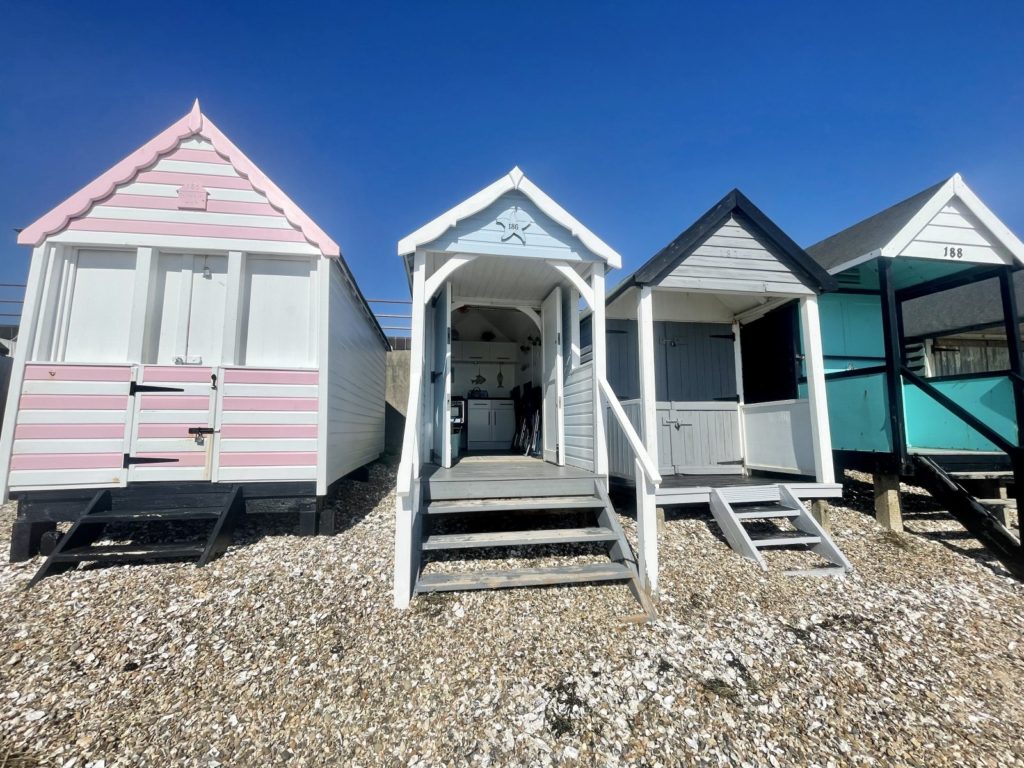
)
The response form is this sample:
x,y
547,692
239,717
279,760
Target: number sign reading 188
x,y
953,252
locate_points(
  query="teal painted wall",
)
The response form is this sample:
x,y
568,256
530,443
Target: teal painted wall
x,y
930,425
851,327
858,415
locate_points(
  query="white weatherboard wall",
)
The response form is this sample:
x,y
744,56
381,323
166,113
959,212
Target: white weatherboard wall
x,y
355,383
733,259
955,227
579,417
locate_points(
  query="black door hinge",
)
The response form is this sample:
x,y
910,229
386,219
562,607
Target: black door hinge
x,y
729,336
729,399
129,460
136,387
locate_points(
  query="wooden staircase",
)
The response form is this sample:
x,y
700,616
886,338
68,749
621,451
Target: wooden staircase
x,y
799,529
582,519
965,492
128,517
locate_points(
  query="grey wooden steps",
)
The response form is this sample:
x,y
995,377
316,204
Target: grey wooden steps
x,y
219,508
519,538
783,539
804,533
600,531
524,577
468,506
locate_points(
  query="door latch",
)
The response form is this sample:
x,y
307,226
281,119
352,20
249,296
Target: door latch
x,y
213,381
200,433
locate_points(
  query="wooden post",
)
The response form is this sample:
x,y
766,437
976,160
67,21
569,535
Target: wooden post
x,y
598,343
888,511
821,434
1011,325
820,511
647,525
233,303
893,361
407,505
145,267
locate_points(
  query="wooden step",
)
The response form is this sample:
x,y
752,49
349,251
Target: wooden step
x,y
523,577
201,514
995,474
500,488
519,538
126,552
765,512
998,502
835,571
784,539
472,506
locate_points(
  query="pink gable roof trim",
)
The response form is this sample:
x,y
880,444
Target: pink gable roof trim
x,y
192,124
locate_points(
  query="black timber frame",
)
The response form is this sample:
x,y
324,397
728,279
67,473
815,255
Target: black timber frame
x,y
735,205
40,511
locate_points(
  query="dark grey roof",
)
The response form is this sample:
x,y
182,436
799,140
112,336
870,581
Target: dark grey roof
x,y
735,204
969,307
871,234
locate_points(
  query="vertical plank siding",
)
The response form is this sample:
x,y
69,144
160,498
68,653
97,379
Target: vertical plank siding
x,y
579,417
693,362
71,426
354,378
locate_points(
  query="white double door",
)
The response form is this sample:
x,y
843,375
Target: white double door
x,y
552,419
175,403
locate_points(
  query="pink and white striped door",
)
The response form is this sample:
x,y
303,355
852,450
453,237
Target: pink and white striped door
x,y
173,434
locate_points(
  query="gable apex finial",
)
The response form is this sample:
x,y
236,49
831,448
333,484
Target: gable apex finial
x,y
516,175
195,117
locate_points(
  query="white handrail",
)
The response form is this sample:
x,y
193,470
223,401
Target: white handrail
x,y
409,465
649,467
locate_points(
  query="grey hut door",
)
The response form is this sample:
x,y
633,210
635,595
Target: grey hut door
x,y
551,342
441,376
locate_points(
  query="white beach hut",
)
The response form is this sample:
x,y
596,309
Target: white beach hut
x,y
192,345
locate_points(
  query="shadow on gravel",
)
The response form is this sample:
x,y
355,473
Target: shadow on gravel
x,y
920,510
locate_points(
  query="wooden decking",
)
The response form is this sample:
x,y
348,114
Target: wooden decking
x,y
492,476
696,489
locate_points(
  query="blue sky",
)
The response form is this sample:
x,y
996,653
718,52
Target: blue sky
x,y
376,117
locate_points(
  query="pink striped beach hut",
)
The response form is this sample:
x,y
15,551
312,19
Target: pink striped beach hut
x,y
186,328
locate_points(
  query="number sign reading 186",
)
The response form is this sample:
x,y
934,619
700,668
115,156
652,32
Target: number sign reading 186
x,y
953,252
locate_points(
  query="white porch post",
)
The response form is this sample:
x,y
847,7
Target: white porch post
x,y
598,343
821,434
233,301
407,505
646,491
22,352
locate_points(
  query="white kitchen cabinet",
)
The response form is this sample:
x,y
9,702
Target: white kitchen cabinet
x,y
479,424
492,424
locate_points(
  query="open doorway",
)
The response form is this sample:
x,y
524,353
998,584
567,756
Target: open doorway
x,y
496,382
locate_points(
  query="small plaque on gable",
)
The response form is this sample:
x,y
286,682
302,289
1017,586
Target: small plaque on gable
x,y
192,197
514,224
